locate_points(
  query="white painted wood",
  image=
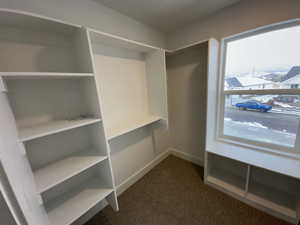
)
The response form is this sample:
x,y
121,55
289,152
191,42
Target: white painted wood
x,y
130,125
274,187
112,199
30,43
230,171
36,51
84,55
271,205
275,162
123,81
226,186
40,75
64,169
212,84
32,101
17,168
157,84
53,127
119,42
69,207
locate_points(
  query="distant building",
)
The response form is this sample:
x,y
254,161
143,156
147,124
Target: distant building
x,y
292,78
247,83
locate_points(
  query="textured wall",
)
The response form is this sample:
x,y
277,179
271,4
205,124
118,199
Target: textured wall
x,y
90,13
243,16
187,82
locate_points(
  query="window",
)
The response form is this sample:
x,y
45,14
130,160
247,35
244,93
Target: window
x,y
260,96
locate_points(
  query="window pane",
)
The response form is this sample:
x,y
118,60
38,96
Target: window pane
x,y
264,61
264,118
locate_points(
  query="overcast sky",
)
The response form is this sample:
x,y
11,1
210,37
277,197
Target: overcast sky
x,y
274,49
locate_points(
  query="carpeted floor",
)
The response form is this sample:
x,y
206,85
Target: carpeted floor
x,y
173,193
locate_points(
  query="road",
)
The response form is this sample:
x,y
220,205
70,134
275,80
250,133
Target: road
x,y
275,121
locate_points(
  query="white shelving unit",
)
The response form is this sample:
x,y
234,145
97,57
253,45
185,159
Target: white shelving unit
x,y
131,125
64,169
52,127
55,152
269,191
227,173
131,75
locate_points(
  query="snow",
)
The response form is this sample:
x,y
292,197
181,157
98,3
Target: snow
x,y
258,132
283,105
293,80
252,81
263,98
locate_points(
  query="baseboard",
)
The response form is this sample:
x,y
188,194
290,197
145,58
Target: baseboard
x,y
142,172
188,157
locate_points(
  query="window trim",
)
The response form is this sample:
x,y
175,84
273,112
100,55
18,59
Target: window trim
x,y
257,145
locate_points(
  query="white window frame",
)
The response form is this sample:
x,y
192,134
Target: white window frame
x,y
256,145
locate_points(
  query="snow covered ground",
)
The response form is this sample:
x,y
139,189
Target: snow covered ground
x,y
258,132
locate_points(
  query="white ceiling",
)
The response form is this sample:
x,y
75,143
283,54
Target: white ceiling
x,y
167,15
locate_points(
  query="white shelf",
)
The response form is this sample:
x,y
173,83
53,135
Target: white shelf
x,y
34,75
71,205
98,37
227,186
53,127
62,170
130,125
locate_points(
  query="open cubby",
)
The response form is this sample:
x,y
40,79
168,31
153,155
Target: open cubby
x,y
71,199
56,158
44,106
228,173
32,44
132,76
276,191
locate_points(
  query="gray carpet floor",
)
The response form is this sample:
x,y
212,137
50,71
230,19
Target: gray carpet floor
x,y
173,193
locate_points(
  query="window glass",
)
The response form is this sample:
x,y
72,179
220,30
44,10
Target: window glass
x,y
264,61
265,118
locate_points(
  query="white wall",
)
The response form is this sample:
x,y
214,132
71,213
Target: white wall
x,y
234,19
90,13
187,82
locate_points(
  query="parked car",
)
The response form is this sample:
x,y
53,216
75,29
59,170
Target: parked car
x,y
254,105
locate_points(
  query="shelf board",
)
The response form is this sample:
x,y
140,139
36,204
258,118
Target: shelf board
x,y
71,205
99,37
62,170
271,205
39,75
53,127
227,186
129,126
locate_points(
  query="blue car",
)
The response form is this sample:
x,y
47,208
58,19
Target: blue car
x,y
254,105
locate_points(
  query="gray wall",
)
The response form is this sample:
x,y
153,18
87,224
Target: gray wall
x,y
243,16
90,13
187,82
